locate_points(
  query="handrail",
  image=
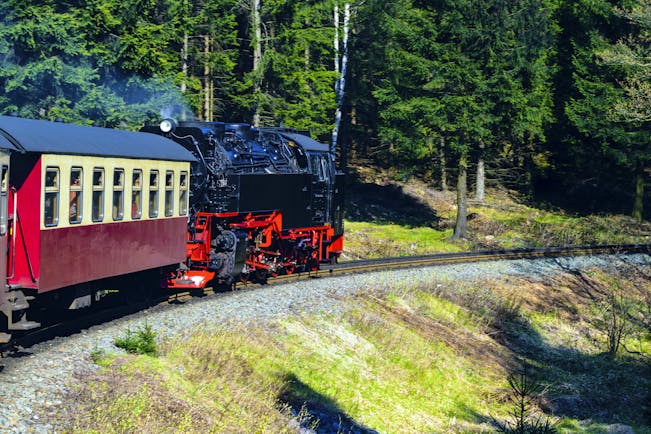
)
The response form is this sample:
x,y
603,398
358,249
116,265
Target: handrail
x,y
29,262
14,192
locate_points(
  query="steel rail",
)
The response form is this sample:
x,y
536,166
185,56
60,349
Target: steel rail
x,y
368,265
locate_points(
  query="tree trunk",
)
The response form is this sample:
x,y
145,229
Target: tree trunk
x,y
638,203
443,162
461,226
341,83
184,67
257,58
336,42
481,176
481,179
206,74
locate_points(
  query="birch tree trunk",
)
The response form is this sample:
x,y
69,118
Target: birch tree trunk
x,y
257,58
481,175
336,44
207,80
341,84
461,226
481,180
184,67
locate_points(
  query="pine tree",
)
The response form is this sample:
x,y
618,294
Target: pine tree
x,y
609,141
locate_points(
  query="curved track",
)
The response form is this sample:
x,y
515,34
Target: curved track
x,y
367,265
81,322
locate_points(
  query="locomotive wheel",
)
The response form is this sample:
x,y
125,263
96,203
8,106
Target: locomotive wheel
x,y
226,241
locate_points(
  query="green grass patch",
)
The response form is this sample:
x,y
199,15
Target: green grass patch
x,y
374,240
523,226
429,359
498,222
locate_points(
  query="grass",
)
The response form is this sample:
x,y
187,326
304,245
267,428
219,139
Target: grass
x,y
391,218
492,228
524,226
374,240
427,359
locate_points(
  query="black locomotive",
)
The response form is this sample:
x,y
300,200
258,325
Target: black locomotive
x,y
263,201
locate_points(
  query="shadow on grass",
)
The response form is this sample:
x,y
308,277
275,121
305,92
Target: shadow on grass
x,y
579,386
321,410
366,202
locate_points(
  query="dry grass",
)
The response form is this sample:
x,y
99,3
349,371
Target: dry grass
x,y
429,359
196,388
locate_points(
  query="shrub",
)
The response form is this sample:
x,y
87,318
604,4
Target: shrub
x,y
142,341
523,392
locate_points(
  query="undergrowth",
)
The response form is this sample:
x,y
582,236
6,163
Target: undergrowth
x,y
436,358
141,341
419,219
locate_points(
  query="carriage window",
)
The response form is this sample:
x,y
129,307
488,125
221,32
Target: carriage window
x,y
153,193
118,194
3,200
183,193
98,195
169,193
136,194
74,204
51,205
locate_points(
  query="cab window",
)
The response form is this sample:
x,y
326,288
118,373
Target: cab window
x,y
317,167
136,194
75,197
51,201
153,193
169,193
118,194
98,195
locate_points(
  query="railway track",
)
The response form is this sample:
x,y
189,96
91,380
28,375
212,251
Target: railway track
x,y
367,265
81,322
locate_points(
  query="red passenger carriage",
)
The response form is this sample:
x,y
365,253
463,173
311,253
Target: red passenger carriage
x,y
84,209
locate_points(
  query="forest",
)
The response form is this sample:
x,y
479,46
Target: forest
x,y
550,98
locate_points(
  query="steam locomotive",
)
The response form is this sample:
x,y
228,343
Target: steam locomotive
x,y
86,212
265,201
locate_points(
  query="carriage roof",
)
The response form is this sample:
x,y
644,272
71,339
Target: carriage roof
x,y
45,137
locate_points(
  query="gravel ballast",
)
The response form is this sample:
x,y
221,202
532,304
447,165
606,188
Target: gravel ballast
x,y
37,378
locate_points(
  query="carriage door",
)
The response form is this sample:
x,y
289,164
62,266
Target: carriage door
x,y
4,217
4,246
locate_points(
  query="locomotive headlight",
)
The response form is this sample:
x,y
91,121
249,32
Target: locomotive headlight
x,y
167,125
